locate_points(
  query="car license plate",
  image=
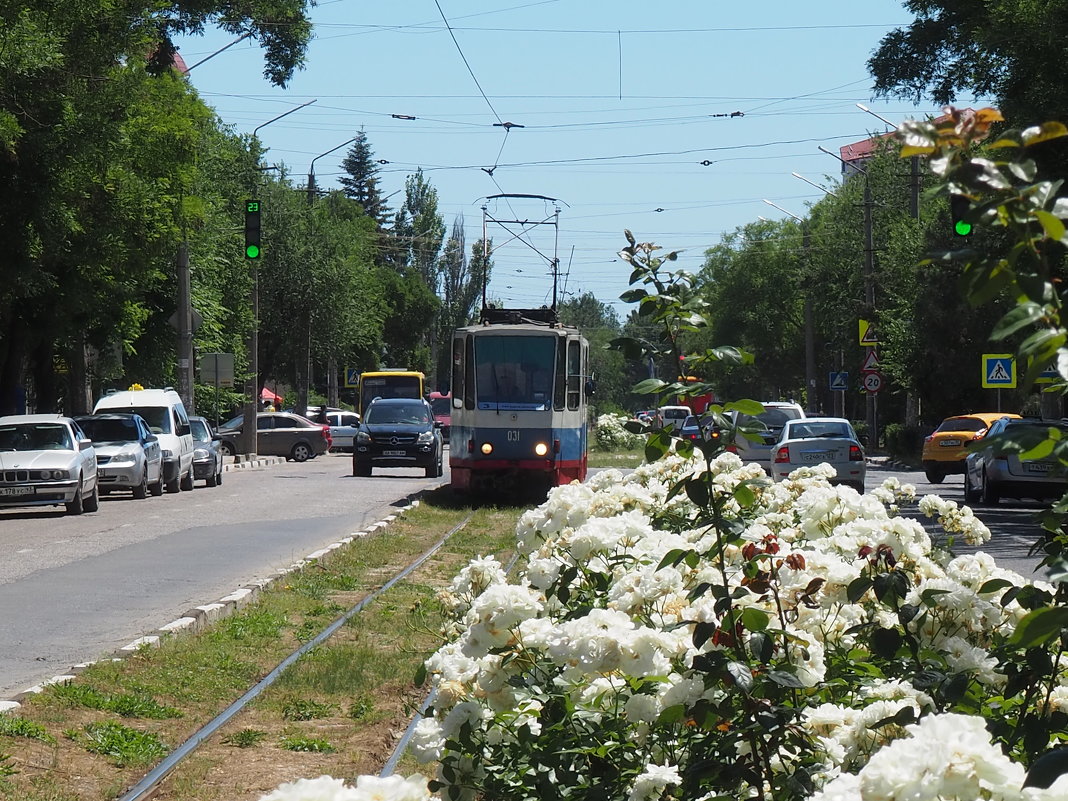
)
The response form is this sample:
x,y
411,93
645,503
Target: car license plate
x,y
949,443
17,490
1038,467
815,456
394,453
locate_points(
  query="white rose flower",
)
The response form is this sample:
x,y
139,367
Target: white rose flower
x,y
653,781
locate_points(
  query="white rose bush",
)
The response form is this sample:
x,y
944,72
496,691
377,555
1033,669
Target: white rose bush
x,y
610,435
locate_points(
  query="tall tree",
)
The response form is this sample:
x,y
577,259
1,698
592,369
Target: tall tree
x,y
419,229
1009,49
360,181
462,280
600,324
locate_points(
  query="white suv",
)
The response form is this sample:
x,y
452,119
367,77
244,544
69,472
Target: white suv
x,y
764,429
166,416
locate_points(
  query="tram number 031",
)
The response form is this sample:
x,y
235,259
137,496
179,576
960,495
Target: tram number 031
x,y
513,435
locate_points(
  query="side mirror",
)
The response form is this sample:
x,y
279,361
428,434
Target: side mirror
x,y
591,388
151,438
438,424
84,443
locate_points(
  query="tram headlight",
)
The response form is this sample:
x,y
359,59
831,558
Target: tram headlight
x,y
541,449
487,448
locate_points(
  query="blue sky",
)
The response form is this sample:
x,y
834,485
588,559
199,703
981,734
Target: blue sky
x,y
625,108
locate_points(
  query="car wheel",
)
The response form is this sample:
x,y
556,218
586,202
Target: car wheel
x,y
935,476
211,480
360,469
227,449
186,484
218,476
971,495
990,495
75,507
157,488
173,486
141,490
92,503
301,452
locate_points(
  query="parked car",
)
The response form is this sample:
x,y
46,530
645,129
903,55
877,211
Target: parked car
x,y
441,404
398,432
755,434
165,414
343,426
128,454
46,460
280,434
944,450
809,441
995,471
207,452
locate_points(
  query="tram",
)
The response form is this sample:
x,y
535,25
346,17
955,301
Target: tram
x,y
520,385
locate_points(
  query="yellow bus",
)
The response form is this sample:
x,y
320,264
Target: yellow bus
x,y
388,384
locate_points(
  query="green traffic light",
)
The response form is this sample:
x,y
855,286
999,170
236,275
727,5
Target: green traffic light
x,y
962,228
252,251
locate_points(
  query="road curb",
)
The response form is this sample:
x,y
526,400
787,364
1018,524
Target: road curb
x,y
200,617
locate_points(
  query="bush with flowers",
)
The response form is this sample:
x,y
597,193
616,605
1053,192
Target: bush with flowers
x,y
610,435
694,631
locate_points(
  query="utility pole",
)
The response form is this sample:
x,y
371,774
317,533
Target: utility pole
x,y
185,330
869,301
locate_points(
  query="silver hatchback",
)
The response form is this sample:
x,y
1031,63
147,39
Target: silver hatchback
x,y
997,471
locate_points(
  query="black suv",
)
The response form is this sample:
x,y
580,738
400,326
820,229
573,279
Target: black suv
x,y
398,432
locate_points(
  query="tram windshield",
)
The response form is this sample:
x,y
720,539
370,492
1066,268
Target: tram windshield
x,y
515,372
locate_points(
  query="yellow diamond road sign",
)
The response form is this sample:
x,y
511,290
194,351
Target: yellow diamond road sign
x,y
999,371
868,335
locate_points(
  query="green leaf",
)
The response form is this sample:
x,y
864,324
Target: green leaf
x,y
1043,133
649,386
744,494
755,619
885,642
1053,227
743,677
857,587
1018,317
785,679
1039,626
993,585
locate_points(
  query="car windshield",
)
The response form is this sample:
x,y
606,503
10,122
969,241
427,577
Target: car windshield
x,y
35,437
394,413
962,424
157,417
690,422
200,431
110,430
773,418
816,430
441,405
233,422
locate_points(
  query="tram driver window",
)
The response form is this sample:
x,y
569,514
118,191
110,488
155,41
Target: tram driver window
x,y
574,374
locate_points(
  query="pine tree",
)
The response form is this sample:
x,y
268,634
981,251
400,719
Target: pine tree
x,y
361,179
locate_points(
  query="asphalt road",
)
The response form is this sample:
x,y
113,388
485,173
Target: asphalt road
x,y
73,589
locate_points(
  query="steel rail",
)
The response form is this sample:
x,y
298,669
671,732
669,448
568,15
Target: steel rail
x,y
153,778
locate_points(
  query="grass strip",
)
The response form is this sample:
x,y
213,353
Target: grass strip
x,y
338,710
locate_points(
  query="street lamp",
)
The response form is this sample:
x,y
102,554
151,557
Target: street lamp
x,y
311,167
810,328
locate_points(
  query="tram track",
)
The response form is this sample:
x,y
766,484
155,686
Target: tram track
x,y
145,788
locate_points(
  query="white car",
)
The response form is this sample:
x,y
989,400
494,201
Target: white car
x,y
817,440
343,428
756,434
46,460
128,454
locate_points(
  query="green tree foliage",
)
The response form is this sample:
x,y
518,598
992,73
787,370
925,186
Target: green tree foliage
x,y
462,280
100,142
1008,49
419,229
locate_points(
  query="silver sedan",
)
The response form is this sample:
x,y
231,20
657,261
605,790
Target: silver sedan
x,y
999,469
46,460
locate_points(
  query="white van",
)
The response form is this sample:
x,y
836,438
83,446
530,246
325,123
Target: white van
x,y
672,416
166,416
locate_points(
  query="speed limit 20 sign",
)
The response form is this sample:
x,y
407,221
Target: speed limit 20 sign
x,y
873,382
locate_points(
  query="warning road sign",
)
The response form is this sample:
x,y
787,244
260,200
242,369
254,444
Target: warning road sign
x,y
352,377
999,371
838,381
873,382
868,334
871,362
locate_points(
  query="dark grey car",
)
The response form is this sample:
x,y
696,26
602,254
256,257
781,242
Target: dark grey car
x,y
995,471
207,452
279,434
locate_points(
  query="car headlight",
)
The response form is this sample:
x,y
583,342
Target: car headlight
x,y
123,457
363,436
200,453
167,454
425,438
55,475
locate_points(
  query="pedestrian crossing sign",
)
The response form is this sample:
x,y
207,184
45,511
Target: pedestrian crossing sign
x,y
999,371
352,377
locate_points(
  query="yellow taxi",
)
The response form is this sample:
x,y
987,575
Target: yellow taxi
x,y
944,450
